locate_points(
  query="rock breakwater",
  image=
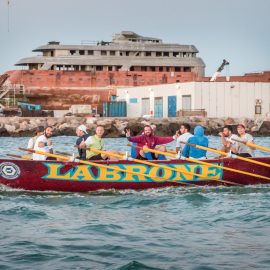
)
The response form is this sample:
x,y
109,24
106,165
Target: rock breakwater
x,y
114,127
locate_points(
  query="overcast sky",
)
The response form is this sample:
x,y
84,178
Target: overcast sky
x,y
236,30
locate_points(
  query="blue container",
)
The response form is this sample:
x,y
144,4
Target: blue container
x,y
115,109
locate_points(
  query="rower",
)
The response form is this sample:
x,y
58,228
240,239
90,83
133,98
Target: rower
x,y
81,132
198,139
96,142
44,144
185,135
149,140
227,136
242,149
38,132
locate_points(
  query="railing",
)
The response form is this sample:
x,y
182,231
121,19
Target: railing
x,y
10,93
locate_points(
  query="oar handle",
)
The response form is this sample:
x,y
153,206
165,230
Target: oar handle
x,y
22,157
237,140
190,144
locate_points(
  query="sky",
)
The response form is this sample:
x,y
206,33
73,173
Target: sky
x,y
235,30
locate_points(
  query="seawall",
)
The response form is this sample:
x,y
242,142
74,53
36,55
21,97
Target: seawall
x,y
114,127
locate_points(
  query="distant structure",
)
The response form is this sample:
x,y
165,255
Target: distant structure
x,y
127,51
91,73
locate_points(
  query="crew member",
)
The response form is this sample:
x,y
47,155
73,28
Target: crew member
x,y
44,144
149,140
198,139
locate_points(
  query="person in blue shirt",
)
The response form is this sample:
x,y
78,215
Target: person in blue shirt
x,y
199,139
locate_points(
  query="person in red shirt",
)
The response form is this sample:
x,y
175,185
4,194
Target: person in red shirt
x,y
150,140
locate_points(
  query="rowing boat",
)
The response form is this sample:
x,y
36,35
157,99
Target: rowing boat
x,y
73,176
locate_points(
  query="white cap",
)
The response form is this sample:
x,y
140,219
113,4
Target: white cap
x,y
83,128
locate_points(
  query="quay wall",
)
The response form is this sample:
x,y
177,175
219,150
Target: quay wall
x,y
114,127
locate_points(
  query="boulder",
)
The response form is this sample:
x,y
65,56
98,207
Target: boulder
x,y
51,122
229,121
10,128
3,132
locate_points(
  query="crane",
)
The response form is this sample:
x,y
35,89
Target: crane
x,y
217,73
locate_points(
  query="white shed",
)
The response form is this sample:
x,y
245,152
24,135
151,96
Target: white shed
x,y
211,99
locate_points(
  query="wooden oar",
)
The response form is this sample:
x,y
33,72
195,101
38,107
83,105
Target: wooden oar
x,y
170,151
160,166
100,165
226,154
250,144
207,164
64,153
21,157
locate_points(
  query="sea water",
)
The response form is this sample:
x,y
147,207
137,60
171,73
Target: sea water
x,y
168,228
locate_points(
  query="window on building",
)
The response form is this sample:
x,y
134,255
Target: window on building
x,y
133,100
187,69
176,54
143,68
81,52
110,68
90,52
153,68
147,53
177,69
103,53
160,69
99,68
72,52
166,54
168,69
158,54
112,52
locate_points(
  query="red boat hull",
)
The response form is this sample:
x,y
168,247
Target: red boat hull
x,y
74,177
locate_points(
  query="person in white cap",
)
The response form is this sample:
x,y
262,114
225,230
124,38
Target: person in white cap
x,y
81,132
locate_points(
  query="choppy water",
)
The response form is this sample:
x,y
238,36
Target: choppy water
x,y
171,228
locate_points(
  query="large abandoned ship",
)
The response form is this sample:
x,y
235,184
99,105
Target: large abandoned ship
x,y
89,73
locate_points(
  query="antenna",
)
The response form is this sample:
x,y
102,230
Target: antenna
x,y
8,13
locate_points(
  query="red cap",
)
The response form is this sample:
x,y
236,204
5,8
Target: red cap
x,y
241,125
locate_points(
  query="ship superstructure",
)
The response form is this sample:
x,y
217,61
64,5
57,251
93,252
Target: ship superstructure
x,y
127,51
